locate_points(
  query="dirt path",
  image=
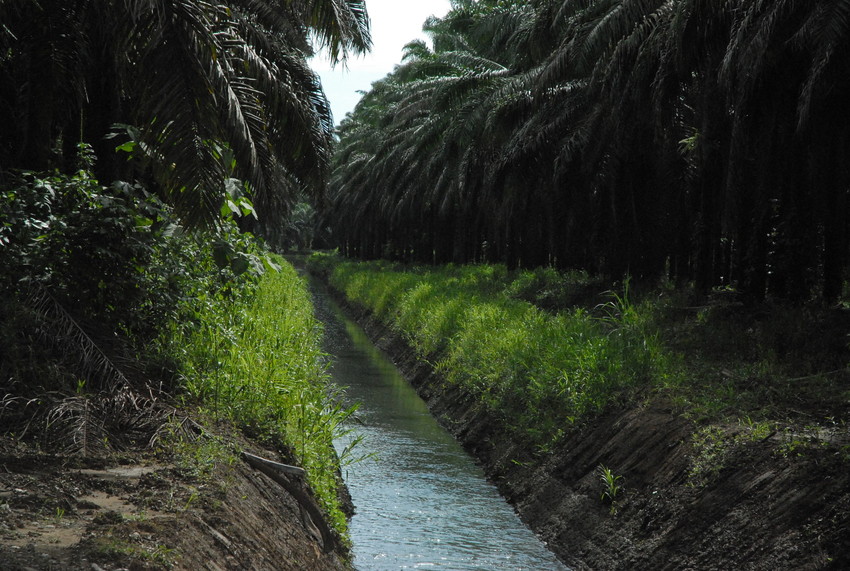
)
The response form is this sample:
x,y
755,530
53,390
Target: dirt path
x,y
136,512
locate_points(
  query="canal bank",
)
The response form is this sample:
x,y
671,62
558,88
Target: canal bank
x,y
758,503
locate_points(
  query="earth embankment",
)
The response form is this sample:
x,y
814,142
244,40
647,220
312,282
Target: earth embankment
x,y
144,511
687,496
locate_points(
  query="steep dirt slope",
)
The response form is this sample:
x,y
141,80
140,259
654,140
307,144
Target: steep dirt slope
x,y
738,500
136,512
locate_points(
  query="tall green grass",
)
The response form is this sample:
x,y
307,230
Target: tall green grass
x,y
539,371
258,364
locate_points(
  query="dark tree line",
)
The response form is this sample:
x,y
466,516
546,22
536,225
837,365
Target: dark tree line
x,y
205,95
702,139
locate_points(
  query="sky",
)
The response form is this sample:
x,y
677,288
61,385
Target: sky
x,y
394,24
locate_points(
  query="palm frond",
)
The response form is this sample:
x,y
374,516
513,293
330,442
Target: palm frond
x,y
825,34
60,328
79,425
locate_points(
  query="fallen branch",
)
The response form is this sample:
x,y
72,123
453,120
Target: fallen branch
x,y
285,468
278,472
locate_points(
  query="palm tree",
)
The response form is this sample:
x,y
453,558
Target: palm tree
x,y
211,90
704,139
425,177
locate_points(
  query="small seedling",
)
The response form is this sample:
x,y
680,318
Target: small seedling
x,y
611,489
194,496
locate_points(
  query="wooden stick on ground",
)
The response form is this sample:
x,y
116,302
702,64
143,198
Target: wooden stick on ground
x,y
278,472
285,468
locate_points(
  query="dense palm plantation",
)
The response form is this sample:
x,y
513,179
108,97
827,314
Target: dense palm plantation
x,y
701,140
127,126
200,93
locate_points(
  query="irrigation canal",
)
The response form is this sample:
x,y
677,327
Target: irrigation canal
x,y
421,500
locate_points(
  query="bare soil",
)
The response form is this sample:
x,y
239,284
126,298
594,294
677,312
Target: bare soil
x,y
138,511
741,500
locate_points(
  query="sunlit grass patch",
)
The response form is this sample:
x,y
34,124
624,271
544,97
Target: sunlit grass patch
x,y
540,371
258,364
544,350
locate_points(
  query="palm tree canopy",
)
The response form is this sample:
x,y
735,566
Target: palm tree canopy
x,y
209,90
704,139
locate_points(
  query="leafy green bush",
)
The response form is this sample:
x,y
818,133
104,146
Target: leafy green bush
x,y
113,255
199,311
88,245
75,267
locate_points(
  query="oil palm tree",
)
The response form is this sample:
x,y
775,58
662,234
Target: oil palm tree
x,y
785,70
212,90
702,138
443,114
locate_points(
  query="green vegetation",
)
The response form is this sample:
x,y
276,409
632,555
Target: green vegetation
x,y
611,489
679,142
197,458
258,364
540,372
711,448
118,549
141,143
762,363
714,446
241,106
748,370
113,312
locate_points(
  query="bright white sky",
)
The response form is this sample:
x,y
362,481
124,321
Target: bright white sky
x,y
394,24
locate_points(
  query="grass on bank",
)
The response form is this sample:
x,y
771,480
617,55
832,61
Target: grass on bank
x,y
546,349
259,365
111,310
540,371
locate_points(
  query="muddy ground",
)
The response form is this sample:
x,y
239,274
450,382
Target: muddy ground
x,y
146,510
688,497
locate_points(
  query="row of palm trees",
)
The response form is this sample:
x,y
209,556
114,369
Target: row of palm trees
x,y
200,92
701,139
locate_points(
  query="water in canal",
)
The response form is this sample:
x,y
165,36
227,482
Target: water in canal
x,y
422,502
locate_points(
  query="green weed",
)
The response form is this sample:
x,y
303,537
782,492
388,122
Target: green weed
x,y
611,489
800,440
711,448
540,370
199,457
121,550
712,358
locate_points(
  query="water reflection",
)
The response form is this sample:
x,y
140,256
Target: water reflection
x,y
421,501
